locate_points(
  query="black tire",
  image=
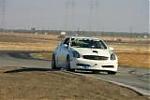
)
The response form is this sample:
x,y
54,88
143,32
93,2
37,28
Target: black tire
x,y
95,72
111,72
68,63
53,64
72,70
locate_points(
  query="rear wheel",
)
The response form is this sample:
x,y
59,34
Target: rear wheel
x,y
53,64
111,72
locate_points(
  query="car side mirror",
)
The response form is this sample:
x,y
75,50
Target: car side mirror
x,y
111,48
66,46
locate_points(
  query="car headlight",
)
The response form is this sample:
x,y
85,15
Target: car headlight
x,y
76,54
112,56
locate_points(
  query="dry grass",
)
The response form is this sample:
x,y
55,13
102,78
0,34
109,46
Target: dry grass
x,y
27,42
133,54
31,84
42,84
134,59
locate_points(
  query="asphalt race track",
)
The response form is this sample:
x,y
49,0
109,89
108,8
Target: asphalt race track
x,y
136,78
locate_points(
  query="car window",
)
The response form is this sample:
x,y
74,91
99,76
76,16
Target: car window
x,y
88,43
66,41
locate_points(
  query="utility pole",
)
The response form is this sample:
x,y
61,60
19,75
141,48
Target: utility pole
x,y
90,15
131,31
66,15
2,14
69,14
93,14
72,5
97,14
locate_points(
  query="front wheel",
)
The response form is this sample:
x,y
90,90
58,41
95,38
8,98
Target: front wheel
x,y
111,72
68,63
95,72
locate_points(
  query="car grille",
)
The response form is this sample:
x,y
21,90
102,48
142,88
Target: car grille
x,y
94,57
108,66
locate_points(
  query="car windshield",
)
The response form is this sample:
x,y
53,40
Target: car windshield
x,y
88,43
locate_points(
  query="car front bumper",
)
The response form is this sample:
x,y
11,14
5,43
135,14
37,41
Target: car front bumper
x,y
103,65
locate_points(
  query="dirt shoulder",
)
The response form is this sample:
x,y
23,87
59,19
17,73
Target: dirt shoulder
x,y
43,84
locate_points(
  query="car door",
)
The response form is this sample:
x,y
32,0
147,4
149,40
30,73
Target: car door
x,y
57,55
64,52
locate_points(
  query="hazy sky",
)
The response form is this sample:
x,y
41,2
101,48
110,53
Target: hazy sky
x,y
102,15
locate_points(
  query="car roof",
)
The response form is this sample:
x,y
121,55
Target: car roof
x,y
82,37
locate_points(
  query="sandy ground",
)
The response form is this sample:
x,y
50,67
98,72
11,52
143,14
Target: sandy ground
x,y
43,84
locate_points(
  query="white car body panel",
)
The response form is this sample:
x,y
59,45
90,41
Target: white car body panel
x,y
95,65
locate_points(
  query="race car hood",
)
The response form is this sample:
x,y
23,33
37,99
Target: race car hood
x,y
91,51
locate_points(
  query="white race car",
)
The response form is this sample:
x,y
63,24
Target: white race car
x,y
85,53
